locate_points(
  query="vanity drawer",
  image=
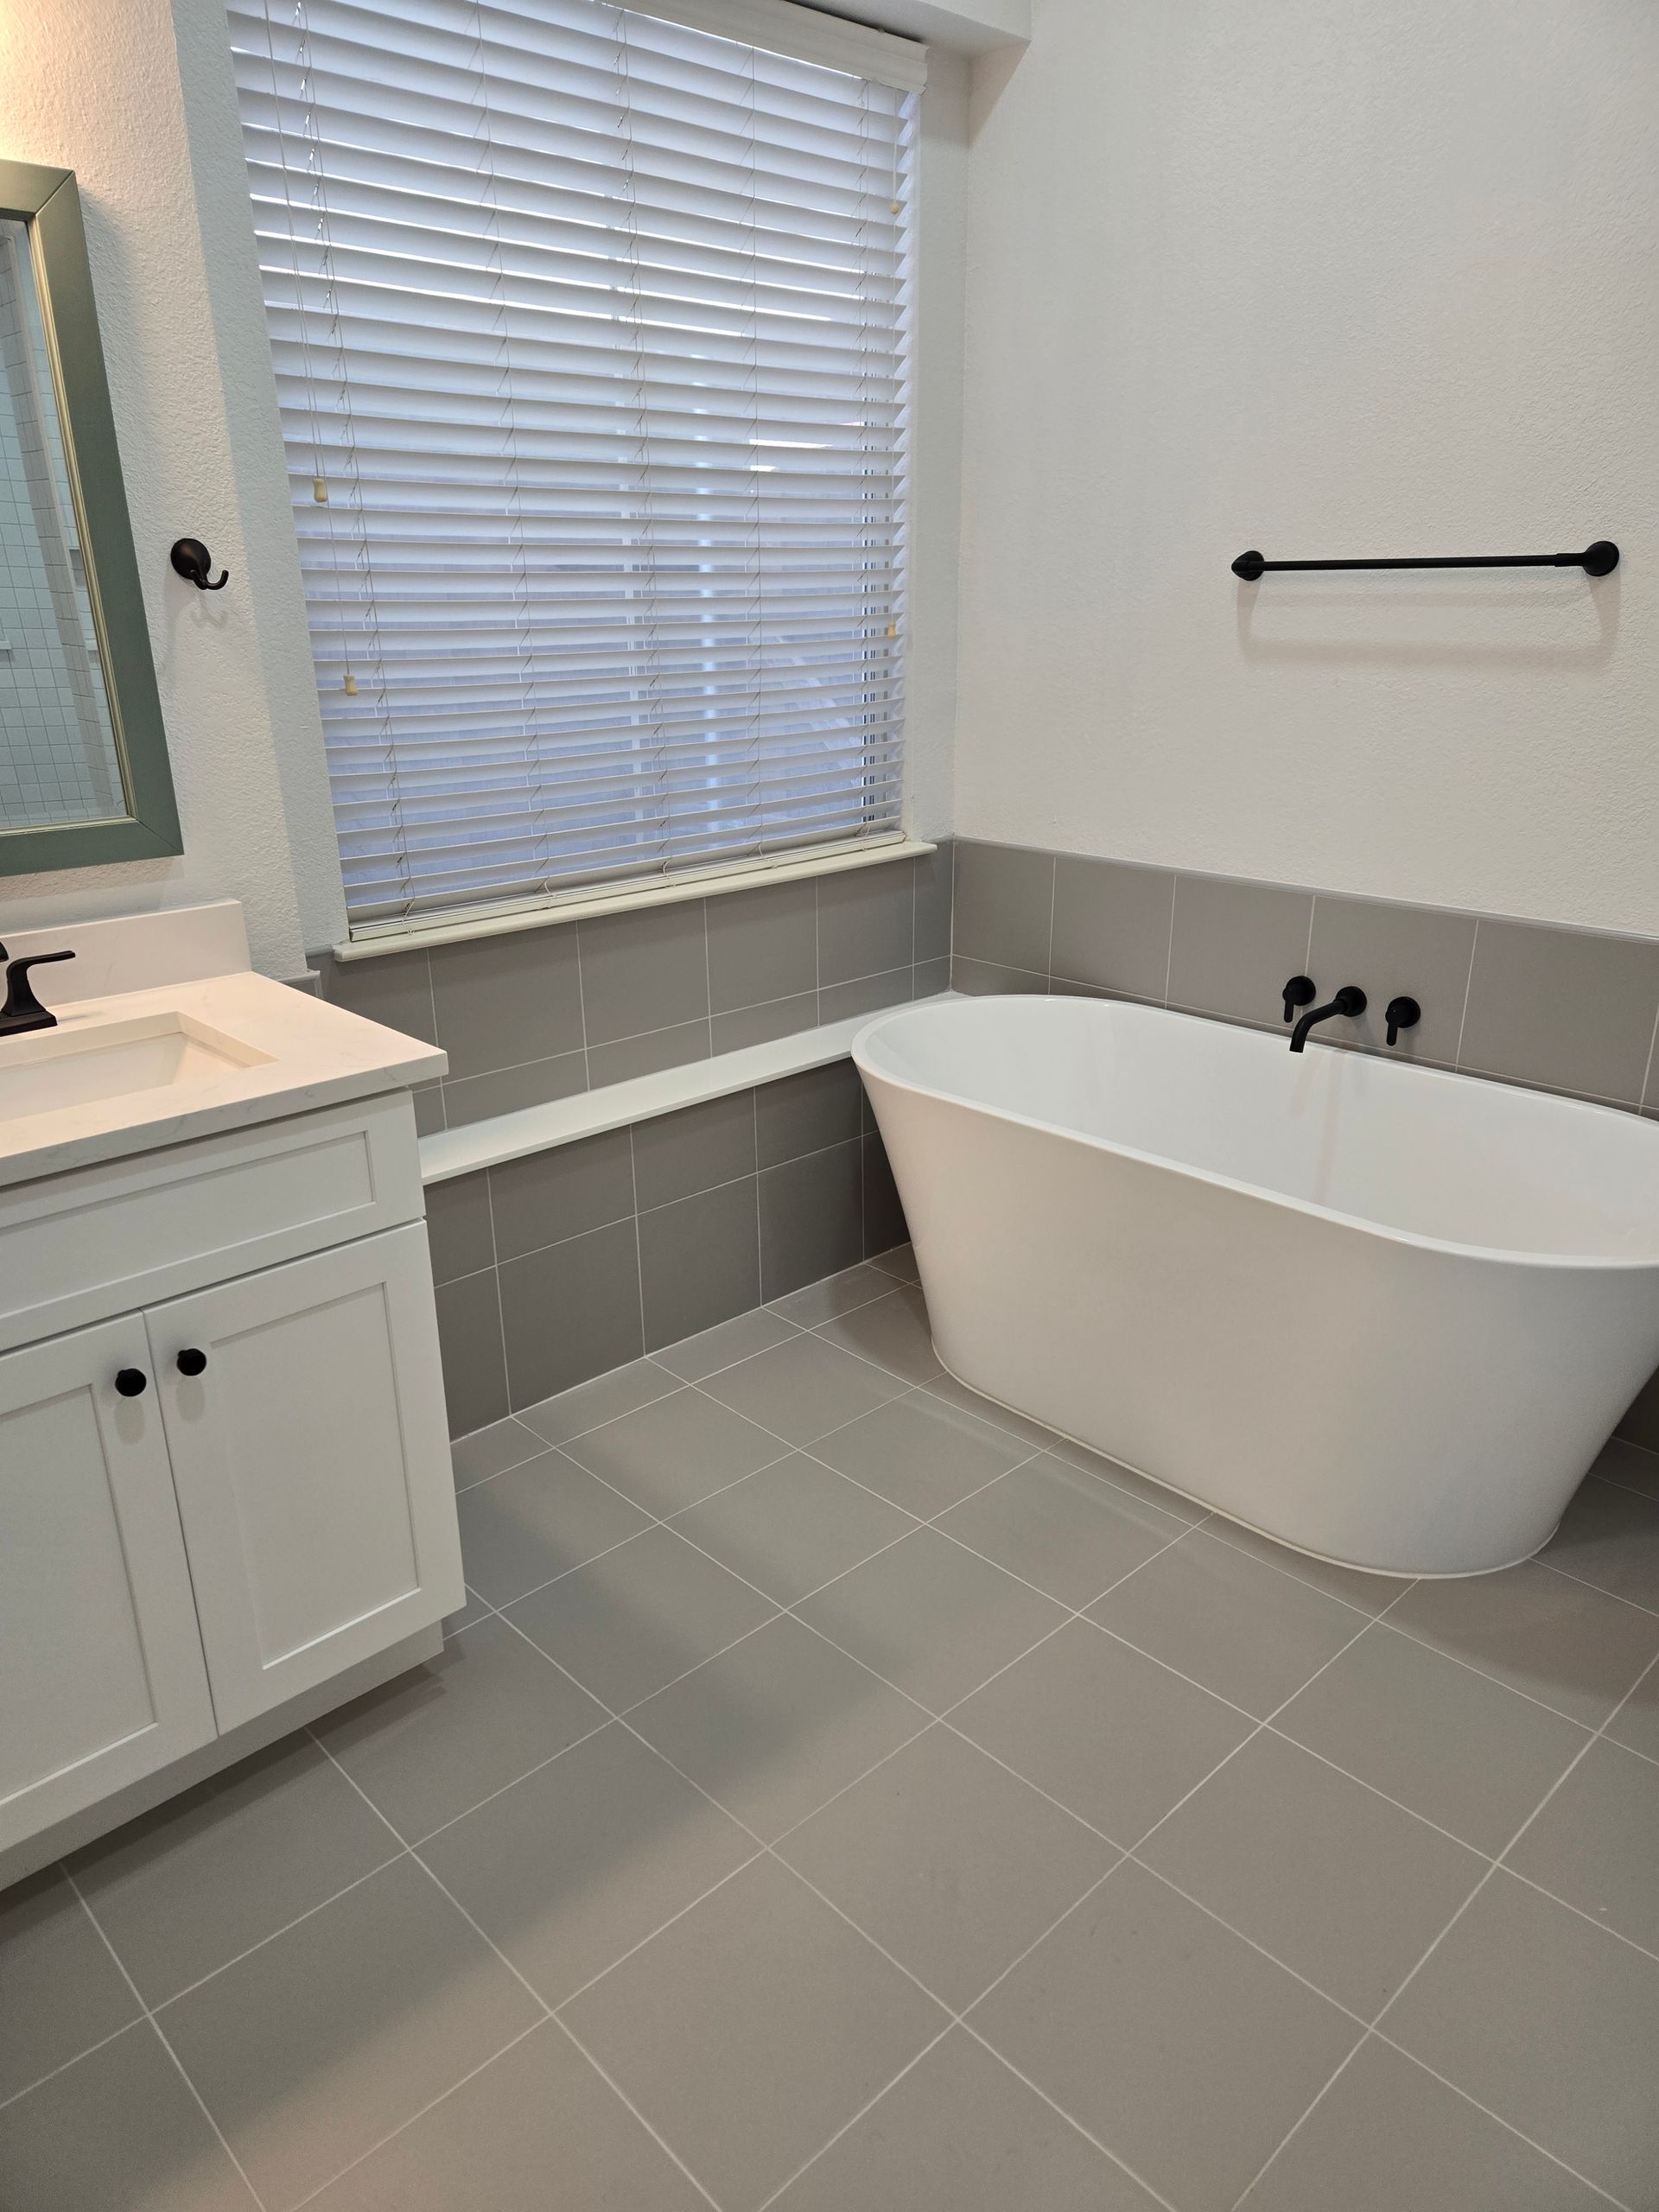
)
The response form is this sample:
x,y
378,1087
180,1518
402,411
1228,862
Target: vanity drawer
x,y
103,1240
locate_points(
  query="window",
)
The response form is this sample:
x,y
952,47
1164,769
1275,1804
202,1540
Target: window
x,y
590,328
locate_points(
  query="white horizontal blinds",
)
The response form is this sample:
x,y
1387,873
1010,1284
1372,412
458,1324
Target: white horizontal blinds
x,y
590,336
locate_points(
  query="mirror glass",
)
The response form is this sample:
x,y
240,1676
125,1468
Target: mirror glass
x,y
58,758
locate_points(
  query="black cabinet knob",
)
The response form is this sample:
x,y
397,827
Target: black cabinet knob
x,y
132,1382
191,1362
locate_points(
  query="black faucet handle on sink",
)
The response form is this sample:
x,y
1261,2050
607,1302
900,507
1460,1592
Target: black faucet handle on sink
x,y
22,1010
1401,1013
1300,990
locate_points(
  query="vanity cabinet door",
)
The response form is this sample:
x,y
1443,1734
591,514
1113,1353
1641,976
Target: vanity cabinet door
x,y
305,1416
101,1675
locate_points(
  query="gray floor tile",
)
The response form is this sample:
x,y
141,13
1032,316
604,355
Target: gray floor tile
x,y
1167,2037
212,1872
751,2029
901,1261
432,1744
953,1393
629,1622
117,2131
537,2129
1387,2136
1107,1731
59,1990
1632,1467
1464,1751
491,1451
1121,1477
606,1398
312,2048
520,1530
793,1526
1568,1645
1596,1843
724,1345
924,1454
1338,1883
584,1858
893,1332
1550,2023
1610,1536
931,1617
835,1294
961,2133
1369,1593
1240,1628
954,1865
668,1455
777,1725
1637,1721
802,1389
1053,1525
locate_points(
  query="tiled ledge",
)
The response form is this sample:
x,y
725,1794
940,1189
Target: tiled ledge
x,y
449,1153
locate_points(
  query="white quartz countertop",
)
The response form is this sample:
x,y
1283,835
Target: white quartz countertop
x,y
309,1054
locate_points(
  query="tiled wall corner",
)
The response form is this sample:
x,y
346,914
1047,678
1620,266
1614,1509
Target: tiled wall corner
x,y
561,1266
1568,1010
541,1013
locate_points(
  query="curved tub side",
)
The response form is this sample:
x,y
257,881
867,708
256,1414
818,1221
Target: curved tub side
x,y
1390,1405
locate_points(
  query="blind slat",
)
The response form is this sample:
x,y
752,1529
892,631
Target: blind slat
x,y
591,334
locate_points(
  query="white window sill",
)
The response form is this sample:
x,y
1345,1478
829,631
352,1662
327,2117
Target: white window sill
x,y
450,1152
507,923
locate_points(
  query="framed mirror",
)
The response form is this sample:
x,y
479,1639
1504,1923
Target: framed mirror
x,y
84,773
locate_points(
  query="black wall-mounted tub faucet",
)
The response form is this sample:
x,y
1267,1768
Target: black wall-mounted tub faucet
x,y
1401,1013
1350,999
1300,990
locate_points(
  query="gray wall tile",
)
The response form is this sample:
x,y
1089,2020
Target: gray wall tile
x,y
934,871
429,1109
508,1091
865,921
811,1218
1112,925
648,969
884,1212
551,1195
1004,906
502,1002
646,1054
571,1312
983,978
868,994
758,1024
469,1343
1235,945
699,1261
458,1226
1640,1423
1389,949
929,977
395,989
763,944
1562,1006
679,1153
804,1113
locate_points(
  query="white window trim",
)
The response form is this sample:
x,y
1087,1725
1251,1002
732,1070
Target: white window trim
x,y
587,905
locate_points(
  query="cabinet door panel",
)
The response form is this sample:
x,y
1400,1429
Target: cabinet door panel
x,y
311,1463
101,1674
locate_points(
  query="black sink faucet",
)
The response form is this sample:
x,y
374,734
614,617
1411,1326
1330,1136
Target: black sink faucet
x,y
1350,999
22,1010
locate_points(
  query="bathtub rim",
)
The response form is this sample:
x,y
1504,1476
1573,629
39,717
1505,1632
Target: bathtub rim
x,y
1489,1255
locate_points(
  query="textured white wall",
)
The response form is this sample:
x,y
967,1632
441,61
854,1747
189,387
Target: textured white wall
x,y
1324,277
94,86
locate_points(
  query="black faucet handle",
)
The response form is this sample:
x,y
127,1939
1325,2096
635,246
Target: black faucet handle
x,y
22,1005
1402,1014
1300,990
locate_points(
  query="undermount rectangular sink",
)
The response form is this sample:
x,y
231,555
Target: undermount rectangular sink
x,y
45,1071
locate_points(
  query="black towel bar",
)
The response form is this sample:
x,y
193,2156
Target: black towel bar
x,y
1597,560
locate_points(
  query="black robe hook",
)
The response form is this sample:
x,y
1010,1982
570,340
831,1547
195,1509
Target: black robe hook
x,y
192,560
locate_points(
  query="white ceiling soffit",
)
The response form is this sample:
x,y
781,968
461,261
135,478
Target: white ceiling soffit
x,y
966,26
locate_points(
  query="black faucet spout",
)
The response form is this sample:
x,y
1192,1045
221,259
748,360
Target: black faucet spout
x,y
1350,1001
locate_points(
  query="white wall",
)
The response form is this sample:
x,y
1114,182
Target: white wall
x,y
94,86
1322,277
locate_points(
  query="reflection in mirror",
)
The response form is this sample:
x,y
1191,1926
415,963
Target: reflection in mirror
x,y
58,758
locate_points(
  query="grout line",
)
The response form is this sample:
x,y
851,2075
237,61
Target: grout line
x,y
1584,1581
638,1257
16,2096
1307,954
1169,953
621,2094
1468,987
1647,1073
868,2105
162,2037
1053,901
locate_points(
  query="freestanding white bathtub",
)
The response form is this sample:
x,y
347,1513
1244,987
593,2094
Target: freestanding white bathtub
x,y
1385,1314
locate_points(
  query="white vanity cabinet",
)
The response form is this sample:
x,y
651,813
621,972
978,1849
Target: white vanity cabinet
x,y
228,1487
